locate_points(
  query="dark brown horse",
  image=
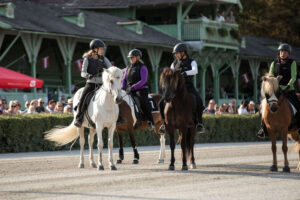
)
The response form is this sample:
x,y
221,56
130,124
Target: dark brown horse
x,y
178,115
127,113
277,115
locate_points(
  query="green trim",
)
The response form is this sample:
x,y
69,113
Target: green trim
x,y
5,25
187,10
10,46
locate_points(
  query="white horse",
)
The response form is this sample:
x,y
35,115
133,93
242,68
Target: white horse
x,y
103,110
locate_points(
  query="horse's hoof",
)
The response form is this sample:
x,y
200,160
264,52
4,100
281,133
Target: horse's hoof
x,y
119,161
273,168
121,157
193,166
113,167
184,168
93,165
160,161
171,167
286,169
81,165
135,161
100,167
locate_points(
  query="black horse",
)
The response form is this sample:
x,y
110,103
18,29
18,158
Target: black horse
x,y
179,115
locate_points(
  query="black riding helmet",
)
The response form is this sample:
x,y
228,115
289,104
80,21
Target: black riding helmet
x,y
134,52
285,47
180,47
96,44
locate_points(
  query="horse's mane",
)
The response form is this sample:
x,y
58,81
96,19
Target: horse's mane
x,y
270,84
171,78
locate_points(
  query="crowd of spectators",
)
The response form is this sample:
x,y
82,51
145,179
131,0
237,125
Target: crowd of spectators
x,y
246,107
36,106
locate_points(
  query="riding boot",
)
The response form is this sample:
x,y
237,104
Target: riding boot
x,y
262,133
79,119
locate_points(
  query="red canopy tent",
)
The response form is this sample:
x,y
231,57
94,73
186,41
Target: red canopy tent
x,y
12,79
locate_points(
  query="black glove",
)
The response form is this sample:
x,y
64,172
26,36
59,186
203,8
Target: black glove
x,y
184,74
286,89
129,90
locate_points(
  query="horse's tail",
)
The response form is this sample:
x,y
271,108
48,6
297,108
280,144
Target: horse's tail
x,y
62,135
189,143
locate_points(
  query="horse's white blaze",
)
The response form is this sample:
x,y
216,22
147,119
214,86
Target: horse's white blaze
x,y
102,109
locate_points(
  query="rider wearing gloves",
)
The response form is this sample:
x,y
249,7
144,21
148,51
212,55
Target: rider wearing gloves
x,y
135,82
92,68
188,69
287,68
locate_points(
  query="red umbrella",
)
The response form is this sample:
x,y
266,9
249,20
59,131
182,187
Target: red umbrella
x,y
12,79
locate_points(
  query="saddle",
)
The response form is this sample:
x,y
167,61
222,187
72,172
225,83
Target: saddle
x,y
137,107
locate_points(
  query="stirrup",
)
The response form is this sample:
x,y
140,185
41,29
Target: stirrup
x,y
78,123
162,129
151,125
200,128
261,134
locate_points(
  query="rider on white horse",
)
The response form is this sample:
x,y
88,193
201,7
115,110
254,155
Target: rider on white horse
x,y
93,64
287,68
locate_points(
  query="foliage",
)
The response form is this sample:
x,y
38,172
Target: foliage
x,y
26,133
235,34
276,19
223,32
211,31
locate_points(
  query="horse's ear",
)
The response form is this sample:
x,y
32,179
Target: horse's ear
x,y
264,78
279,77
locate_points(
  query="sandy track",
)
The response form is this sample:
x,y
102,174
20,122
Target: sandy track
x,y
224,171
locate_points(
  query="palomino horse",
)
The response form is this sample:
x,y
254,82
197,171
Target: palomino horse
x,y
178,115
127,113
277,116
103,110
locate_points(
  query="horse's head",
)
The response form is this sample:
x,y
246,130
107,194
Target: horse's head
x,y
171,83
270,91
111,79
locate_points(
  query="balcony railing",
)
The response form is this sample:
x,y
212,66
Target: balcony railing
x,y
211,32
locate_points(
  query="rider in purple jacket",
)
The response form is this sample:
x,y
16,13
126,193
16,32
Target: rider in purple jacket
x,y
135,83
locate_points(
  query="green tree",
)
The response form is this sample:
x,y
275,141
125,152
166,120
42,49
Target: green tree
x,y
278,19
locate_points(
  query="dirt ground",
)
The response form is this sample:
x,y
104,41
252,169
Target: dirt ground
x,y
224,171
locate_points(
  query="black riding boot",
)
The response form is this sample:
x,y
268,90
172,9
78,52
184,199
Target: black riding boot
x,y
262,133
79,119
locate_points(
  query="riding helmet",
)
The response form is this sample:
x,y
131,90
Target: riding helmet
x,y
96,44
134,52
180,47
285,47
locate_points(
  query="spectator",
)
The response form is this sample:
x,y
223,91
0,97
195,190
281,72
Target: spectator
x,y
4,103
51,106
26,105
243,108
63,100
230,18
18,107
233,105
68,109
1,107
11,108
33,106
41,108
220,17
59,108
203,17
217,109
210,108
70,104
224,108
230,110
251,107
